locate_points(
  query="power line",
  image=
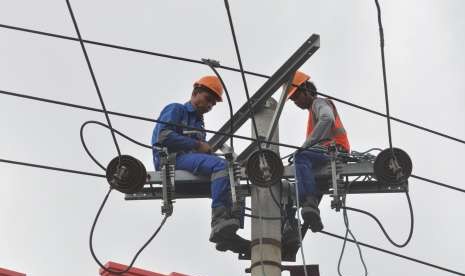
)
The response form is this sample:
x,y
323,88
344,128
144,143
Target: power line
x,y
140,118
124,48
438,183
383,64
395,254
94,79
51,168
209,131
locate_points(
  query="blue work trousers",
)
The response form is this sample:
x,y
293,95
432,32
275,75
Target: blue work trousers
x,y
207,164
305,162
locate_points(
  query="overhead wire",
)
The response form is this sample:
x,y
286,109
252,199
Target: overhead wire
x,y
131,264
299,224
130,116
395,254
241,68
119,160
81,134
254,124
242,72
348,231
184,59
94,79
212,64
91,234
40,166
383,64
409,237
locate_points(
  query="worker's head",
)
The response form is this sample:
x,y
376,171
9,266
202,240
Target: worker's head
x,y
207,92
302,91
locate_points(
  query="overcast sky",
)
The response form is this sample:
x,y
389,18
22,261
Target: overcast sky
x,y
45,216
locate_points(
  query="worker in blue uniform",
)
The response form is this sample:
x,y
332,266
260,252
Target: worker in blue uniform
x,y
193,153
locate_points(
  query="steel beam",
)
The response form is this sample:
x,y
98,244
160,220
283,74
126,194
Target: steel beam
x,y
308,48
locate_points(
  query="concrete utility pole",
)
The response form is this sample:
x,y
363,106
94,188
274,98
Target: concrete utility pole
x,y
266,258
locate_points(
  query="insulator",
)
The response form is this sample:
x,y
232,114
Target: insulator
x,y
126,174
392,170
256,174
172,170
237,170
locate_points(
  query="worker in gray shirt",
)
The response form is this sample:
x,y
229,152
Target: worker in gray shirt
x,y
323,128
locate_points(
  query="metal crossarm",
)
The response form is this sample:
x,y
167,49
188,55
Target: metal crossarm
x,y
189,185
308,48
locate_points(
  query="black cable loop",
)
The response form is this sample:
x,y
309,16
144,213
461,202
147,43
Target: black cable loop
x,y
91,235
94,79
400,245
81,133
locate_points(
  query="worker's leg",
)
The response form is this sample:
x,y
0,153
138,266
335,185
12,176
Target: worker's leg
x,y
309,195
305,162
223,223
208,165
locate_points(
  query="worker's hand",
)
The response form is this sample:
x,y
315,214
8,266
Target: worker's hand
x,y
204,148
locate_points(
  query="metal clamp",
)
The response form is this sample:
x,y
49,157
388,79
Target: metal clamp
x,y
167,175
234,172
336,203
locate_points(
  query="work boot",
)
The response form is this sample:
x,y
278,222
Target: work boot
x,y
224,225
290,238
235,243
311,213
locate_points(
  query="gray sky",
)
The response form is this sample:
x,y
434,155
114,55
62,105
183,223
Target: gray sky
x,y
45,216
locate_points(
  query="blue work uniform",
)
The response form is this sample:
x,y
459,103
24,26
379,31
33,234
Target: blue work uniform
x,y
184,146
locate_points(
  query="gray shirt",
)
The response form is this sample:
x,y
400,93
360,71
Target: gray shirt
x,y
323,120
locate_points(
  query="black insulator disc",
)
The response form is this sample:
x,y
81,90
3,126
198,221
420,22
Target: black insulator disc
x,y
386,170
256,174
127,175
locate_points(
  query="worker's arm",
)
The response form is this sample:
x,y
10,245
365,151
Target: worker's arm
x,y
324,118
169,135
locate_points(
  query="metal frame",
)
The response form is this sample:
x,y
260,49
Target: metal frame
x,y
308,48
194,186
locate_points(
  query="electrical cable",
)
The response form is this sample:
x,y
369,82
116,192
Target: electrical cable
x,y
383,64
106,198
395,254
40,99
438,183
61,103
146,119
119,133
348,231
138,252
211,64
94,79
244,81
51,168
387,104
128,49
182,126
81,133
297,200
400,245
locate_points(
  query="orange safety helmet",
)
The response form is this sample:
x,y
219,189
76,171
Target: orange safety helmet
x,y
213,83
299,78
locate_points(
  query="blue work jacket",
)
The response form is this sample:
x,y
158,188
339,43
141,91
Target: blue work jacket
x,y
173,137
